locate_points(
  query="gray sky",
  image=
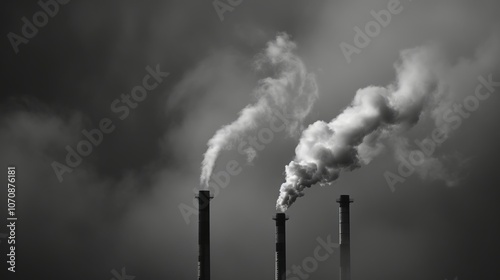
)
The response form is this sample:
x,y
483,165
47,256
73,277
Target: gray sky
x,y
120,206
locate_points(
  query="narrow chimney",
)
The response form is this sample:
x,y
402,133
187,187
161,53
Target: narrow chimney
x,y
204,235
344,237
280,255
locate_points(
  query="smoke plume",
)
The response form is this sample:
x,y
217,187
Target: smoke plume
x,y
356,135
291,90
425,85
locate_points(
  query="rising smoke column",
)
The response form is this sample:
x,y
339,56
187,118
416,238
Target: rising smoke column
x,y
356,135
291,89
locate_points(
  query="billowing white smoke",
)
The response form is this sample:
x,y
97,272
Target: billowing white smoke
x,y
356,135
292,90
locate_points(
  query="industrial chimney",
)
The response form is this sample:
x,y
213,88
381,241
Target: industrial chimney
x,y
344,237
280,255
204,235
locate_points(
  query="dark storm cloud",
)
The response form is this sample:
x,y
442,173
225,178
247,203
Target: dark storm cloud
x,y
120,207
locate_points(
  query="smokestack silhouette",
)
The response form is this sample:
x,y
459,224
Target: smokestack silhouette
x,y
280,255
344,237
204,235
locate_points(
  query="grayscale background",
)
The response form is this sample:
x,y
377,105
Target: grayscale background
x,y
120,207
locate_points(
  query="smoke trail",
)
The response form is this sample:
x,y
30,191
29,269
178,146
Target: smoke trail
x,y
356,135
425,84
292,90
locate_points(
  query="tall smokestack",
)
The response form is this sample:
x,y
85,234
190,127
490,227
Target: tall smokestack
x,y
280,255
204,235
344,237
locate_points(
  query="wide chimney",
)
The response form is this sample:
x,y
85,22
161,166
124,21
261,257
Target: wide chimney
x,y
204,235
344,237
280,255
